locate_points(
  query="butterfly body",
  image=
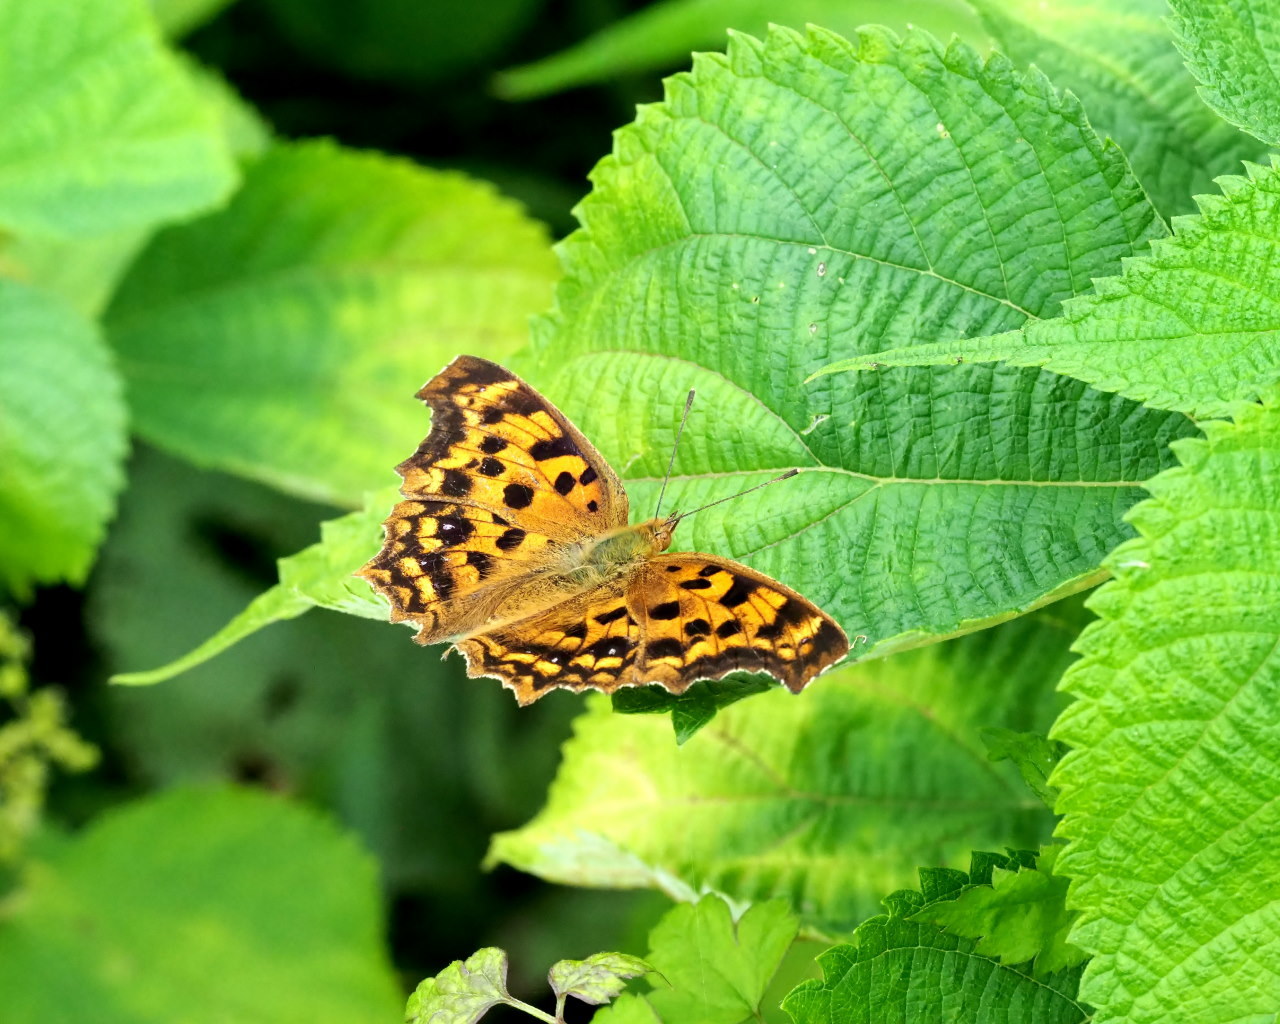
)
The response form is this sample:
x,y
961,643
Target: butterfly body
x,y
513,545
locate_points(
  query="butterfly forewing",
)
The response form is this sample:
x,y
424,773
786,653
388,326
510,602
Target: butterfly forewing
x,y
498,444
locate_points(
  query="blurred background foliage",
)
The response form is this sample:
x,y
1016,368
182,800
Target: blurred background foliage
x,y
341,713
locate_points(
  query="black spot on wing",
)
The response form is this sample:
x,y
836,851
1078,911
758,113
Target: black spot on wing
x,y
727,629
517,495
667,647
666,610
511,539
565,483
592,505
739,592
453,529
483,563
553,447
491,445
709,570
610,647
588,476
456,484
697,627
696,584
577,631
604,618
490,466
492,415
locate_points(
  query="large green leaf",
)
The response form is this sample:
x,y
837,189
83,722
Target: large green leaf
x,y
1192,327
662,35
803,199
1172,793
200,906
284,337
101,130
897,968
823,798
1233,49
1119,57
62,439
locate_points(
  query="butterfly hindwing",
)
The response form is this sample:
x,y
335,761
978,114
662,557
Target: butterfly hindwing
x,y
678,619
703,617
498,444
586,642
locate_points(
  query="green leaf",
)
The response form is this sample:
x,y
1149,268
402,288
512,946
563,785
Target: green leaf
x,y
805,198
694,708
284,337
1233,49
820,798
62,440
177,18
1020,916
1192,327
716,968
903,971
463,992
1034,754
1118,56
201,906
317,576
662,36
101,131
1172,791
598,978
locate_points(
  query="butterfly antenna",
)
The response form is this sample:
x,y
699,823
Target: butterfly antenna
x,y
720,501
688,404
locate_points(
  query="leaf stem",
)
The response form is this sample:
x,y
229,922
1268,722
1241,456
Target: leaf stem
x,y
532,1011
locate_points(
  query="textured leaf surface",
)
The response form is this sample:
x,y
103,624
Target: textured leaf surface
x,y
713,969
1034,754
229,904
903,971
1172,791
820,799
62,439
102,131
806,198
317,576
1194,327
662,35
1019,916
284,337
463,992
598,978
1233,49
1119,57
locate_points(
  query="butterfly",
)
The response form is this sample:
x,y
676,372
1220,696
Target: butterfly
x,y
512,544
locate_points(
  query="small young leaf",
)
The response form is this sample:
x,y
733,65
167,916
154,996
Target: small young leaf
x,y
714,969
102,132
1020,916
1034,754
284,337
1192,327
62,439
694,708
463,992
1171,792
598,978
1233,49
